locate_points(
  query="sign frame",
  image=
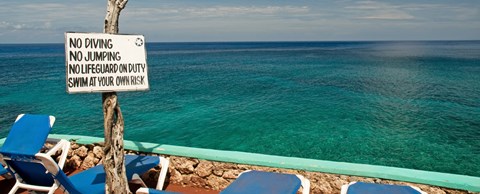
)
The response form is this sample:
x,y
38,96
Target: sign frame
x,y
102,62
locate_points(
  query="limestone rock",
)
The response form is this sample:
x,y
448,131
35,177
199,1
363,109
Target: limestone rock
x,y
74,146
89,161
336,185
198,181
184,165
323,188
74,162
175,176
231,174
217,183
243,167
225,166
218,172
98,152
81,151
204,168
70,153
49,145
186,180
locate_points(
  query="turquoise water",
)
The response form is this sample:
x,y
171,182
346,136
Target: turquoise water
x,y
404,104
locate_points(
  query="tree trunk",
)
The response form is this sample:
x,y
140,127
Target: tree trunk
x,y
113,13
114,158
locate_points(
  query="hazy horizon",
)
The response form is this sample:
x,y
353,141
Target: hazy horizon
x,y
270,41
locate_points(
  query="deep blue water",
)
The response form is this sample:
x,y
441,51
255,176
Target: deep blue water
x,y
405,104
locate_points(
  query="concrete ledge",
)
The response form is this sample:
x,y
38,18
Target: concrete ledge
x,y
454,181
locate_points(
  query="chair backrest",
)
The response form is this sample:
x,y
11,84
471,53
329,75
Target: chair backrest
x,y
31,172
26,137
252,181
363,187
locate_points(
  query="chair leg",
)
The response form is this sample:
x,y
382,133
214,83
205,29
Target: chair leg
x,y
52,190
14,188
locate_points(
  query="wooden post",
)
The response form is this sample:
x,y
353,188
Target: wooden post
x,y
114,158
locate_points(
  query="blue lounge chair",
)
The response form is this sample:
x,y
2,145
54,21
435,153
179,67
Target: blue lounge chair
x,y
39,172
260,182
374,188
92,180
25,139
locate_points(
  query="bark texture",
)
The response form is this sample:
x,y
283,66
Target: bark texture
x,y
113,14
114,158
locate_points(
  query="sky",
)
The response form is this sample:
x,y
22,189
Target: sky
x,y
46,21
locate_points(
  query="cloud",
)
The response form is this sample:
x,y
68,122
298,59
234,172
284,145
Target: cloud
x,y
242,10
389,15
43,12
431,12
220,11
380,10
451,12
13,27
47,7
7,26
50,18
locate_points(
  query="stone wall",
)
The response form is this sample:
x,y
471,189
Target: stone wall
x,y
217,175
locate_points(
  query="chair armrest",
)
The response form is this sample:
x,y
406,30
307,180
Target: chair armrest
x,y
164,162
64,145
163,173
142,190
305,184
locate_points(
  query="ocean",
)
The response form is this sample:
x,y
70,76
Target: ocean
x,y
409,104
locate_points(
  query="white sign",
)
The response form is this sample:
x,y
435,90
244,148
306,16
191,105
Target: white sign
x,y
97,62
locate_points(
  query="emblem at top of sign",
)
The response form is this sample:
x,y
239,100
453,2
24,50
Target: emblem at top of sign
x,y
139,42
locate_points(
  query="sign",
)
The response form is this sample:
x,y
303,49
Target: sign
x,y
97,62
